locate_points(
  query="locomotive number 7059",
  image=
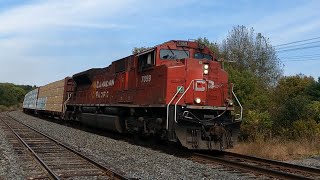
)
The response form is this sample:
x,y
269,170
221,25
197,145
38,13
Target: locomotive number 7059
x,y
146,78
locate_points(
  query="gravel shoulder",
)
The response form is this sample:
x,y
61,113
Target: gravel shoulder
x,y
9,164
309,162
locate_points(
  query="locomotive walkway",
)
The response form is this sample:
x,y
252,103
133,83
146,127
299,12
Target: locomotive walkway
x,y
258,166
45,158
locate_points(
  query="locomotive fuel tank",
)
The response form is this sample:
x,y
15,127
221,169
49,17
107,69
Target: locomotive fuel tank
x,y
102,121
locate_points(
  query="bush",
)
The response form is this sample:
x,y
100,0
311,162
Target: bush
x,y
307,129
257,125
314,110
3,108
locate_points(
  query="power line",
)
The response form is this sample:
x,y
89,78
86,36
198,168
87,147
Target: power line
x,y
285,47
299,45
294,42
293,49
300,57
300,60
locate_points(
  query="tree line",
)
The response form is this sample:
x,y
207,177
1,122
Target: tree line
x,y
12,95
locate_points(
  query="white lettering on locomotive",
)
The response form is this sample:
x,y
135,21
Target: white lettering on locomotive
x,y
200,85
146,78
104,84
101,94
210,84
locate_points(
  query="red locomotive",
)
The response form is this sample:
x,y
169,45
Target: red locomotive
x,y
176,90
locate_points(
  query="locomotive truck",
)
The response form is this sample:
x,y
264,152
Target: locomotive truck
x,y
177,91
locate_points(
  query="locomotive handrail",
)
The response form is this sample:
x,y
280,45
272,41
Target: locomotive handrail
x,y
64,107
178,90
235,96
175,106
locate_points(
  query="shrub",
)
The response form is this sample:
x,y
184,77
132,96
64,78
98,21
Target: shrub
x,y
3,108
257,125
308,129
314,110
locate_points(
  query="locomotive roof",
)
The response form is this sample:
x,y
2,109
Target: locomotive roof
x,y
193,43
85,77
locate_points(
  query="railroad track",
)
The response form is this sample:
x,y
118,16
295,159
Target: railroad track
x,y
258,166
43,157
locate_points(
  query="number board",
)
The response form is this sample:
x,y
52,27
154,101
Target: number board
x,y
182,43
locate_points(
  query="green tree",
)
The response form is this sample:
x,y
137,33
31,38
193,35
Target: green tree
x,y
306,129
291,102
257,125
250,90
314,110
11,94
213,46
137,50
19,93
314,90
253,52
27,88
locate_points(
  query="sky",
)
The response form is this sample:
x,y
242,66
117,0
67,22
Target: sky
x,y
46,40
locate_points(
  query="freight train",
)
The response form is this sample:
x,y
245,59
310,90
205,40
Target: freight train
x,y
177,91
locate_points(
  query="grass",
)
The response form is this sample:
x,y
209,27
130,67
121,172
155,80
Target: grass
x,y
11,108
279,149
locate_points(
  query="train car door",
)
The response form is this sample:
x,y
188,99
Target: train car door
x,y
144,81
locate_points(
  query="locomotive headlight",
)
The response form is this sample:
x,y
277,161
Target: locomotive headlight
x,y
197,100
206,69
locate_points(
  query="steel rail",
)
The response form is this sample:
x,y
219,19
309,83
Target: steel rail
x,y
250,168
310,170
113,174
52,175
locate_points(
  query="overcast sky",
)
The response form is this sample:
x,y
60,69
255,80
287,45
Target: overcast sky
x,y
45,40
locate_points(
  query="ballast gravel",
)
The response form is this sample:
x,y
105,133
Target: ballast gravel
x,y
309,162
133,160
9,164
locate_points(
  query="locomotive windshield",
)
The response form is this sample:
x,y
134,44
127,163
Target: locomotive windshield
x,y
173,54
203,56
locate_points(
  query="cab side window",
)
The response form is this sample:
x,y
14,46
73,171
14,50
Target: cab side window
x,y
146,61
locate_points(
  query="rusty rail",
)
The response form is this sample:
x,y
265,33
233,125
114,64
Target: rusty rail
x,y
260,166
